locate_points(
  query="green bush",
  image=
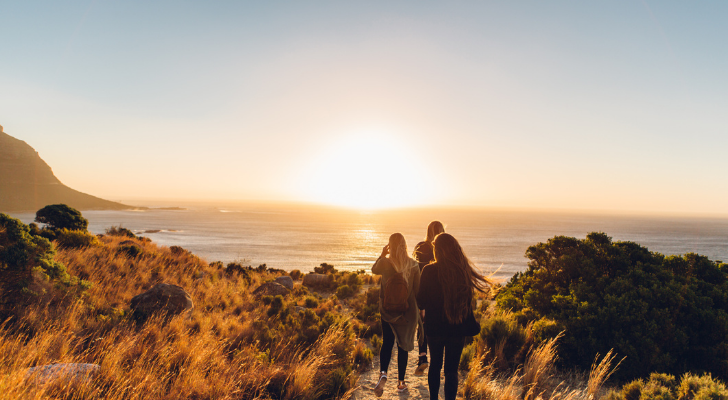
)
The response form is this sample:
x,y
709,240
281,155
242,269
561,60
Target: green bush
x,y
377,343
693,387
503,329
325,268
76,239
655,391
362,356
130,250
120,231
344,292
26,259
310,302
662,313
61,216
632,390
545,329
466,357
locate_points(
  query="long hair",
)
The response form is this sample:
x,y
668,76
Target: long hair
x,y
435,228
398,255
458,277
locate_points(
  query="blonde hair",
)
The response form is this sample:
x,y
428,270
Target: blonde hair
x,y
435,228
401,261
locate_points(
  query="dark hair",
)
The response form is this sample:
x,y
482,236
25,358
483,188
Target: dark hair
x,y
435,228
458,278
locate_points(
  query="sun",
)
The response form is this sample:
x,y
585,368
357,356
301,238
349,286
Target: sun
x,y
367,170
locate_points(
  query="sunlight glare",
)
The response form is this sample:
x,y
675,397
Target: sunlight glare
x,y
368,170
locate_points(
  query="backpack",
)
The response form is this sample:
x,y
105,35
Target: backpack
x,y
396,294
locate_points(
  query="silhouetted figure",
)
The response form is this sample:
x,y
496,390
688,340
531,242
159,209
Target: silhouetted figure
x,y
446,296
423,255
397,307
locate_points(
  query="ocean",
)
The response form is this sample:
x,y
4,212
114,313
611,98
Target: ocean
x,y
302,237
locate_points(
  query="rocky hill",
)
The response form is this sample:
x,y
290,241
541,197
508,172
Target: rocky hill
x,y
27,183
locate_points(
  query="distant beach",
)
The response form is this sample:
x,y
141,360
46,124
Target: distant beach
x,y
291,237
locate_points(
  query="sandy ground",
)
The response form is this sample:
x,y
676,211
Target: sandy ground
x,y
417,384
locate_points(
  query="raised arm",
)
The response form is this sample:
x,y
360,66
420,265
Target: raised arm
x,y
380,266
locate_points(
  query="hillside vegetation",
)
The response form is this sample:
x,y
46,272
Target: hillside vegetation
x,y
583,310
231,345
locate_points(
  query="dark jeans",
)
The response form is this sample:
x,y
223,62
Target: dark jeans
x,y
452,347
423,345
386,354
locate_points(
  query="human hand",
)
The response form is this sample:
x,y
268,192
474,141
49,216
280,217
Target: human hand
x,y
385,251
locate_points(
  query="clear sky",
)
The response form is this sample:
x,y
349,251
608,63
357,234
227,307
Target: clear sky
x,y
606,105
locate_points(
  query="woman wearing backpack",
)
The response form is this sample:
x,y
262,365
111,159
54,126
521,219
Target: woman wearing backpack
x,y
397,307
423,255
446,292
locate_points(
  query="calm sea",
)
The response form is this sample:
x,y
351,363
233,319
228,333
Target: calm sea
x,y
302,237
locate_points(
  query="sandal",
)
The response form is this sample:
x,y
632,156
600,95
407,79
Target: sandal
x,y
379,389
402,387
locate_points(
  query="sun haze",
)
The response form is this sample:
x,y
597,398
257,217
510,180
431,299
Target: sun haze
x,y
367,169
572,105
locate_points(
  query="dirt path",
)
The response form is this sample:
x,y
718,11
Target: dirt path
x,y
417,384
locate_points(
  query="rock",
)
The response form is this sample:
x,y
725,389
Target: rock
x,y
71,371
299,309
163,297
285,281
271,289
314,280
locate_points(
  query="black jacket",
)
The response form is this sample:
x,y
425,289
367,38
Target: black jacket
x,y
430,298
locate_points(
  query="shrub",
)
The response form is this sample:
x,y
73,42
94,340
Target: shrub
x,y
276,305
662,313
466,357
296,275
26,264
76,239
377,343
325,269
310,302
131,250
504,337
344,292
177,250
545,330
693,387
632,390
362,356
61,216
120,231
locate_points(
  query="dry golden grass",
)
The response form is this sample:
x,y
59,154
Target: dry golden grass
x,y
229,347
538,379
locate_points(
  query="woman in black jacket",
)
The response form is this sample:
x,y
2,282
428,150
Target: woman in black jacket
x,y
446,294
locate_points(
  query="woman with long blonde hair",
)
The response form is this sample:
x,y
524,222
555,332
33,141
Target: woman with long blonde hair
x,y
397,307
446,294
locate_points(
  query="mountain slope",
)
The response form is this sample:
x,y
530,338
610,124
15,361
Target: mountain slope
x,y
27,183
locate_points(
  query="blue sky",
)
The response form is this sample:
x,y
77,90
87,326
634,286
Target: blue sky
x,y
581,105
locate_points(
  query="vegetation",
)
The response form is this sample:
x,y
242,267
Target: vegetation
x,y
67,301
665,314
61,216
228,347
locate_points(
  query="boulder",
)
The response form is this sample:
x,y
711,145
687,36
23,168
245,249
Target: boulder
x,y
315,280
70,371
271,289
285,281
164,298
